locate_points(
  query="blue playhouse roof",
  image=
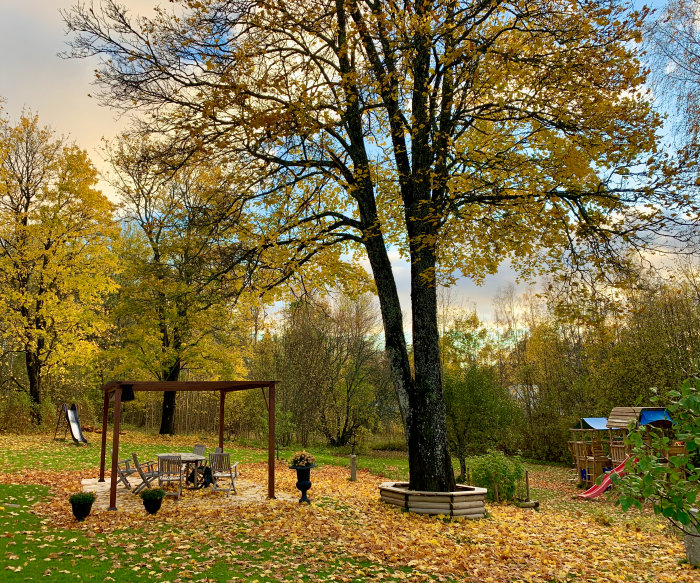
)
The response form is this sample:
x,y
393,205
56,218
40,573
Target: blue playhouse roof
x,y
594,423
651,415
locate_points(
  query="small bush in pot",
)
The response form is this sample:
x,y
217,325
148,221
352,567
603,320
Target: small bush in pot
x,y
82,504
152,499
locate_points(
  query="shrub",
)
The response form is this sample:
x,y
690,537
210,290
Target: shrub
x,y
82,498
670,483
497,473
390,445
153,494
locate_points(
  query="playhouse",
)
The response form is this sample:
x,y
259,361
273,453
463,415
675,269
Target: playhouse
x,y
619,422
598,443
589,447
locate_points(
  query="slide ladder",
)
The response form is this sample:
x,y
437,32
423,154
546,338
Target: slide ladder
x,y
598,489
69,416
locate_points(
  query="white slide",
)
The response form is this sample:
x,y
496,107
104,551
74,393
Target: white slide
x,y
75,430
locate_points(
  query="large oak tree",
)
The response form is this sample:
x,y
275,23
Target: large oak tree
x,y
461,132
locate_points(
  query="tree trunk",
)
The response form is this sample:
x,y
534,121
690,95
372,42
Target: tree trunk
x,y
34,375
392,319
429,461
421,401
167,420
171,373
462,466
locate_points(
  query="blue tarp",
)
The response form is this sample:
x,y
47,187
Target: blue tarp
x,y
650,415
594,423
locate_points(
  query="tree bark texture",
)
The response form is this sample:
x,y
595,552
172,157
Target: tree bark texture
x,y
33,364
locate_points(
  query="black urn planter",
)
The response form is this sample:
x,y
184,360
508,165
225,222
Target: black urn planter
x,y
303,481
81,510
152,505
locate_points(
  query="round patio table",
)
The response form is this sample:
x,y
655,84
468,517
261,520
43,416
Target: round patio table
x,y
188,459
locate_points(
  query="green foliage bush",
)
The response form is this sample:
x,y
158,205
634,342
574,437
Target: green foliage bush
x,y
82,498
668,482
153,494
494,471
15,410
390,445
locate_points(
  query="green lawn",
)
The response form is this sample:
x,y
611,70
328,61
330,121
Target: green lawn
x,y
347,534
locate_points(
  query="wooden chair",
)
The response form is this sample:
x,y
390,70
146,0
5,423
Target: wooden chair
x,y
198,449
220,464
147,471
124,470
170,471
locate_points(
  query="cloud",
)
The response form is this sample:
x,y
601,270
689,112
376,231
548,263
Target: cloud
x,y
34,77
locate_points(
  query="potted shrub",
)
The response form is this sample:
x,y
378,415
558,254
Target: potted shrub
x,y
302,462
669,482
82,504
152,499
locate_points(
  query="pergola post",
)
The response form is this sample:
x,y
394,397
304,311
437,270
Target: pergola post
x,y
271,441
222,402
103,448
115,447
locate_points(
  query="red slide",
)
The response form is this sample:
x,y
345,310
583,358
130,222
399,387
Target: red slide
x,y
597,490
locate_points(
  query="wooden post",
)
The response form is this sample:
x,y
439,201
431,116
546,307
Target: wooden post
x,y
222,402
115,448
527,485
271,441
353,468
103,449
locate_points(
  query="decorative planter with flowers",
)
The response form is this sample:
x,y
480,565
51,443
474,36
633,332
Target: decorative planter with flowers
x,y
82,504
152,499
302,462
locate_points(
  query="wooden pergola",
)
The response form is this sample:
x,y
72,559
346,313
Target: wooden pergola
x,y
114,390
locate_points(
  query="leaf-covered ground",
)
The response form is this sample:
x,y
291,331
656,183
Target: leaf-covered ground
x,y
347,534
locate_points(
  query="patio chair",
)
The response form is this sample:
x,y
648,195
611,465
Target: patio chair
x,y
198,449
147,471
220,464
170,471
124,470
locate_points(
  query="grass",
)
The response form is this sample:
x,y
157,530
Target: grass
x,y
31,550
346,535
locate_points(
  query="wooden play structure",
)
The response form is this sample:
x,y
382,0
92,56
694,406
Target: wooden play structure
x,y
620,419
598,443
590,448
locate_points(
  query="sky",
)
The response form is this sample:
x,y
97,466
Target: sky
x,y
33,77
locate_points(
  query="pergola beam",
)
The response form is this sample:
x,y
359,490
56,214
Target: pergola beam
x,y
165,386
